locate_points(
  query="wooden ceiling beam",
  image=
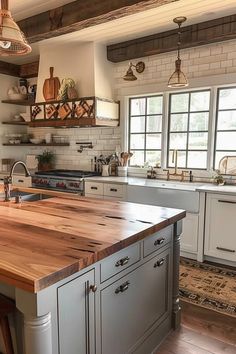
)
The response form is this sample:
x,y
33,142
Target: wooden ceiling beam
x,y
24,71
82,14
217,30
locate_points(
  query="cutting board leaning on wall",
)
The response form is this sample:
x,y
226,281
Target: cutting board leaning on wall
x,y
51,87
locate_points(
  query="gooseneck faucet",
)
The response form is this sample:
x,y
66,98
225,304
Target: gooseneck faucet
x,y
8,179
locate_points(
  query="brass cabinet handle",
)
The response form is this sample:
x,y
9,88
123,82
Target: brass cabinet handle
x,y
122,262
94,188
226,201
159,263
122,287
93,288
225,249
160,241
113,190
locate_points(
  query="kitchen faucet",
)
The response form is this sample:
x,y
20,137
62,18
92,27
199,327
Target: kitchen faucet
x,y
175,173
8,179
175,160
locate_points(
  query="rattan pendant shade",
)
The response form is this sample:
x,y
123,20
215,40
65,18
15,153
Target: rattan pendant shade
x,y
12,40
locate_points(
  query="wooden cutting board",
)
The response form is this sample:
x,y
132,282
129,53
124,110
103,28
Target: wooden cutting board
x,y
51,87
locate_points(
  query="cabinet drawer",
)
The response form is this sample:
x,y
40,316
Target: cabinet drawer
x,y
157,241
93,188
120,261
114,190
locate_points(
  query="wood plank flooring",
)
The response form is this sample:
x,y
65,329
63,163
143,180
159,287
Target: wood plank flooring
x,y
188,341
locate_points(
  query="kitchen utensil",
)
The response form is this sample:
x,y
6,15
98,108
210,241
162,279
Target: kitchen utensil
x,y
51,87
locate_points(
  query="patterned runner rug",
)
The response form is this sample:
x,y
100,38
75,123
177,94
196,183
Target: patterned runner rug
x,y
208,286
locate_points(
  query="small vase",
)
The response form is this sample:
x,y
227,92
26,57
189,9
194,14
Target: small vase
x,y
44,166
105,170
122,171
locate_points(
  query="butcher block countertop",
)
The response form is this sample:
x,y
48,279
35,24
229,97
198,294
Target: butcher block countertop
x,y
45,241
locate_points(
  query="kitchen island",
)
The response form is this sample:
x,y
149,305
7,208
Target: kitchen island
x,y
91,276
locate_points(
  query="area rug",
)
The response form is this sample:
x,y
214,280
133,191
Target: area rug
x,y
208,286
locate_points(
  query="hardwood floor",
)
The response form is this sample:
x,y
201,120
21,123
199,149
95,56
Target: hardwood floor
x,y
202,332
188,341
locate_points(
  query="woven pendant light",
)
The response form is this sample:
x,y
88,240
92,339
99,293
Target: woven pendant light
x,y
12,40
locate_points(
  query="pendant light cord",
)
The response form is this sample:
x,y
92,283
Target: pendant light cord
x,y
179,42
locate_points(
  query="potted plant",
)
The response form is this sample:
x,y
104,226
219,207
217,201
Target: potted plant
x,y
45,160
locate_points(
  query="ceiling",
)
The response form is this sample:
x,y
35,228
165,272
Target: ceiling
x,y
144,23
26,8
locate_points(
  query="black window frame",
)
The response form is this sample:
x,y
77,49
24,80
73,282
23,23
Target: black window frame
x,y
188,132
145,133
216,124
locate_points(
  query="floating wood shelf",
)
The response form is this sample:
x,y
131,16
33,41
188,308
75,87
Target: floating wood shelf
x,y
15,123
30,144
19,102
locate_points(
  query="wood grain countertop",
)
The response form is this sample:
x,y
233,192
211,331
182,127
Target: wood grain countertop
x,y
45,241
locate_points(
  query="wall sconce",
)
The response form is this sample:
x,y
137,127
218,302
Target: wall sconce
x,y
129,76
178,79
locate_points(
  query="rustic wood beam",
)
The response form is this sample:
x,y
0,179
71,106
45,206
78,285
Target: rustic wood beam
x,y
217,30
9,69
29,70
25,70
82,14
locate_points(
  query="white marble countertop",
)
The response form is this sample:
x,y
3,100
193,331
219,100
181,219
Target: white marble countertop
x,y
188,186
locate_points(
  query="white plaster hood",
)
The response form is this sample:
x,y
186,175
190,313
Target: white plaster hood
x,y
86,63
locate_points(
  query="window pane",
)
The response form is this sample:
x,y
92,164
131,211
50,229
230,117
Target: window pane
x,y
226,141
178,122
137,106
137,141
178,141
227,120
153,157
137,159
179,102
197,141
220,154
227,98
181,162
200,101
198,121
153,141
197,159
154,123
137,124
154,105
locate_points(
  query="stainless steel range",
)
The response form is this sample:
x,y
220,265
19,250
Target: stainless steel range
x,y
71,181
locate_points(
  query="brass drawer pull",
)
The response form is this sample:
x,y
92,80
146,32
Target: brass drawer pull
x,y
160,241
94,188
93,288
113,190
159,263
122,287
227,201
122,262
225,249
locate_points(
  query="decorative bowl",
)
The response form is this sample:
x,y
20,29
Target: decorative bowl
x,y
17,96
36,141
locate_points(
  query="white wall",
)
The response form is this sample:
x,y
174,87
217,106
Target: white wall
x,y
104,84
69,61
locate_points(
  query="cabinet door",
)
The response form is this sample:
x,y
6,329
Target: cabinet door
x,y
189,237
220,240
131,305
76,316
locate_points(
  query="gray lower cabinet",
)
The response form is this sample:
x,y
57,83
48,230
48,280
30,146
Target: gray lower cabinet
x,y
133,304
76,319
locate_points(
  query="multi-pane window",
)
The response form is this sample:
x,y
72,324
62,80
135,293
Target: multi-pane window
x,y
225,141
188,128
145,130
